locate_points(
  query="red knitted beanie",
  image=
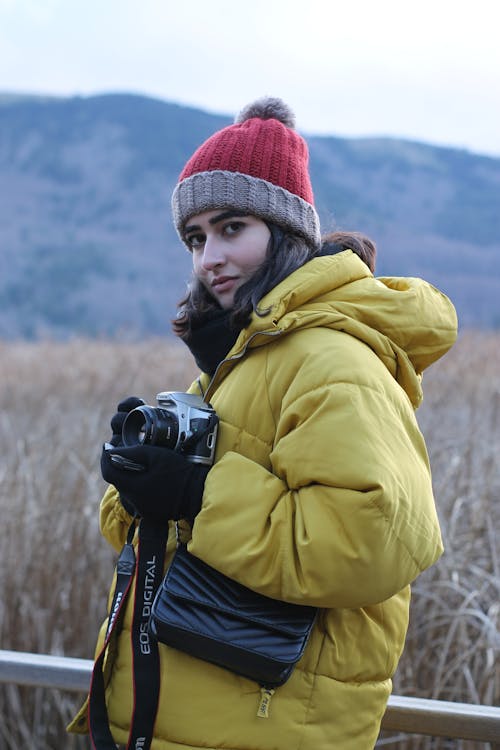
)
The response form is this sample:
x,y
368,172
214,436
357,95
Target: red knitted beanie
x,y
258,165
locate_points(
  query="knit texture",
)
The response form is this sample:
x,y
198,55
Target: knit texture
x,y
258,165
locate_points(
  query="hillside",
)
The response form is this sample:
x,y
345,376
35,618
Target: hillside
x,y
86,242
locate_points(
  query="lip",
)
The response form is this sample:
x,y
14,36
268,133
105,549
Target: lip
x,y
223,283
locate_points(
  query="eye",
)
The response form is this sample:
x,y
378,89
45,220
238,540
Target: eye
x,y
195,240
233,227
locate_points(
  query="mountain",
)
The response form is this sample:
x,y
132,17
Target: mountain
x,y
86,239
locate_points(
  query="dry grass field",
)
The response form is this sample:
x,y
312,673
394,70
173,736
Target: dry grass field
x,y
55,405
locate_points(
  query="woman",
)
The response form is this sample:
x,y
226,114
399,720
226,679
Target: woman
x,y
321,491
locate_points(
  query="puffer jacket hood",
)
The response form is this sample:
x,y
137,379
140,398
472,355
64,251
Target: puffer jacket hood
x,y
407,322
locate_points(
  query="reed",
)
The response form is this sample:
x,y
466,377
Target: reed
x,y
55,405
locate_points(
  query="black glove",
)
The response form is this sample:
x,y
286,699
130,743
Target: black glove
x,y
156,483
117,420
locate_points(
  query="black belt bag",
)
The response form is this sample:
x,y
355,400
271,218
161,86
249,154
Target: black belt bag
x,y
202,612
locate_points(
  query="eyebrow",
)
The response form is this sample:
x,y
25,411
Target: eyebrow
x,y
230,214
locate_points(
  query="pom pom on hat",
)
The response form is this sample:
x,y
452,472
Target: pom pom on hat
x,y
268,108
259,165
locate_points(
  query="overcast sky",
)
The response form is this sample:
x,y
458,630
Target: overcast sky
x,y
426,70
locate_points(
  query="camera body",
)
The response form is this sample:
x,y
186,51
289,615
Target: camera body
x,y
182,422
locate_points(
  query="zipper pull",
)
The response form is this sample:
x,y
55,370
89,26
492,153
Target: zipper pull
x,y
265,699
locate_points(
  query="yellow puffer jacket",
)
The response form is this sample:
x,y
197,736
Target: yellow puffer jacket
x,y
321,494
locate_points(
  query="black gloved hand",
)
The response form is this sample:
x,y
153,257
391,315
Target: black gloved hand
x,y
157,483
117,420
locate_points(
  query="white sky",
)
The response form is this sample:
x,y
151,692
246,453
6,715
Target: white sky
x,y
427,70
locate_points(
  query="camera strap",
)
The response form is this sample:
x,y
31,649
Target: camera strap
x,y
148,569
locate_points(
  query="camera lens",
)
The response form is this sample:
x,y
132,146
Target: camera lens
x,y
149,425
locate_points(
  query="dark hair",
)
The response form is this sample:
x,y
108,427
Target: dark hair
x,y
335,242
285,253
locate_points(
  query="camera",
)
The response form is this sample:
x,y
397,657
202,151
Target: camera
x,y
181,421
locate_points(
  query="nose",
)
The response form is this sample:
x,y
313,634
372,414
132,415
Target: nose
x,y
213,253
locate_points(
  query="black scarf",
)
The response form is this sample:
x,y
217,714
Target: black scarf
x,y
210,340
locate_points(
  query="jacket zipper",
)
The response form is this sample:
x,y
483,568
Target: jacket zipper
x,y
266,693
239,355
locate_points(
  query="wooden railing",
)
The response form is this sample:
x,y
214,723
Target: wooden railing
x,y
404,714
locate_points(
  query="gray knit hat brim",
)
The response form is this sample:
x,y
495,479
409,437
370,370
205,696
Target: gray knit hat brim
x,y
206,191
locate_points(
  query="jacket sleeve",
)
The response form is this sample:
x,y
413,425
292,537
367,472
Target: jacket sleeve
x,y
114,520
344,515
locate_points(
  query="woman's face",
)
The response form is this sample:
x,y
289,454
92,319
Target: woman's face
x,y
227,249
